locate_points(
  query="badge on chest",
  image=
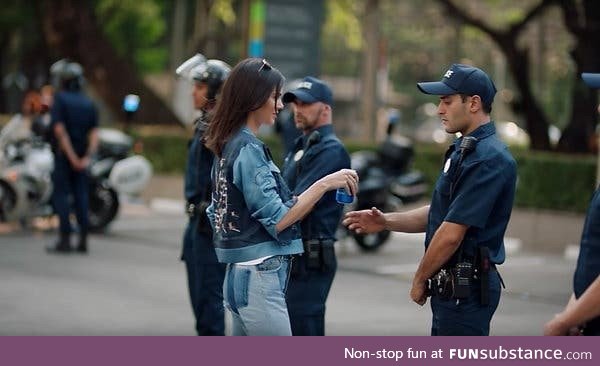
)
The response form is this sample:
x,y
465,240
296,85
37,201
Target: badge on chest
x,y
447,165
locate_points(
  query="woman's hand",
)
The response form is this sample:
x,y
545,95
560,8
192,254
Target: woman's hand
x,y
344,178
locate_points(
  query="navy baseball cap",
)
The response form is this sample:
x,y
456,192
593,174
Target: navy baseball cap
x,y
462,79
592,80
310,90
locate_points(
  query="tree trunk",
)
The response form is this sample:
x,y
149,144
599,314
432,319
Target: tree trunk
x,y
535,120
70,27
178,37
583,21
370,63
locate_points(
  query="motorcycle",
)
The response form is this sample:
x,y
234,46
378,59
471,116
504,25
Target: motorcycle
x,y
26,166
387,182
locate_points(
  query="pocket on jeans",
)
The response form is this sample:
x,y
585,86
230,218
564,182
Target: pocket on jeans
x,y
238,296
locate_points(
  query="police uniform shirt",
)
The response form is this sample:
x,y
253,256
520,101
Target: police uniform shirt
x,y
588,263
483,194
79,116
326,156
197,187
197,170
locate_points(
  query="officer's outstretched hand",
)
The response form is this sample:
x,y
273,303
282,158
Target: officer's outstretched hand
x,y
365,221
418,293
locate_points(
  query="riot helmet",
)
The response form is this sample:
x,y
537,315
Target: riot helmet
x,y
213,73
66,74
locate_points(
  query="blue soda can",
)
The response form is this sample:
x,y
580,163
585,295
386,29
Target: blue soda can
x,y
342,197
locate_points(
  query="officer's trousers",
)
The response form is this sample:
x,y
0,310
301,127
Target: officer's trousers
x,y
67,181
306,296
205,282
467,317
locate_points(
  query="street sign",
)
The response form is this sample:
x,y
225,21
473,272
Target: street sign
x,y
291,38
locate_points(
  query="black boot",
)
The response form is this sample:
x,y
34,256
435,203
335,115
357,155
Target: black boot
x,y
63,244
82,244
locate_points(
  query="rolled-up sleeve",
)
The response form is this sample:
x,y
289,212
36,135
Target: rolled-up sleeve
x,y
253,175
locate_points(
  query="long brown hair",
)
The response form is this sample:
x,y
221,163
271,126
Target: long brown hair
x,y
248,87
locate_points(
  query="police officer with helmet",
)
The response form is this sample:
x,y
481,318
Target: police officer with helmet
x,y
74,122
205,274
317,153
582,313
469,211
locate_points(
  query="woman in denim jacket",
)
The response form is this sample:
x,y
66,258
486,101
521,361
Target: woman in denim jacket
x,y
253,213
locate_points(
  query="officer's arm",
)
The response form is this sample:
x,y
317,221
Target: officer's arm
x,y
92,146
64,142
577,312
413,221
444,243
92,142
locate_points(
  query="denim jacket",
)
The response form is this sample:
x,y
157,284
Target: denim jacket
x,y
249,198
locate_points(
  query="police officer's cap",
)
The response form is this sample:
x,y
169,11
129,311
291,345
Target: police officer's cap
x,y
310,90
462,79
591,79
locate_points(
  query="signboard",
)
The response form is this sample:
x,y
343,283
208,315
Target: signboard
x,y
291,35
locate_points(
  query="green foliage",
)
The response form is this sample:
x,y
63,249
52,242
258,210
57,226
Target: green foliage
x,y
223,10
545,180
14,13
552,181
135,29
342,23
341,40
166,152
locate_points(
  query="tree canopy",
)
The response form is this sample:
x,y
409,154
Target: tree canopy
x,y
534,49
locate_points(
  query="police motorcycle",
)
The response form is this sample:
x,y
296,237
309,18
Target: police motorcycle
x,y
26,167
387,182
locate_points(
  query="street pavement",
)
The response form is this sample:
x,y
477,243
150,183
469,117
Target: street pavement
x,y
133,283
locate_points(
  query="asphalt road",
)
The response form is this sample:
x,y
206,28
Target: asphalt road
x,y
132,283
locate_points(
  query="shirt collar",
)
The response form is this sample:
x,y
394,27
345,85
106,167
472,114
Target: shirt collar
x,y
481,132
323,130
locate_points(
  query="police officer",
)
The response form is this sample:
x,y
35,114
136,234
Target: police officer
x,y
74,122
317,153
469,210
582,313
205,274
285,126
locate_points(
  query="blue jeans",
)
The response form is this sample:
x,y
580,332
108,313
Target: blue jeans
x,y
468,317
255,296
